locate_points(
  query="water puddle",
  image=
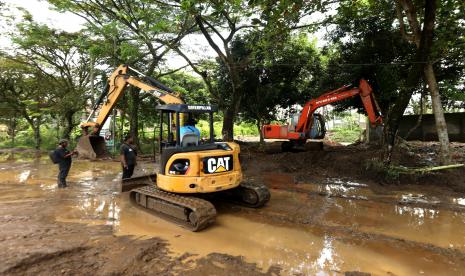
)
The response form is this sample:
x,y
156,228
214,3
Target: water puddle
x,y
336,226
459,201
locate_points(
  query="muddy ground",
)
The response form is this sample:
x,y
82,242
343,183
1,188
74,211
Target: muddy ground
x,y
328,214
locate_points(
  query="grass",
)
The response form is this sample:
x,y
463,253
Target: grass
x,y
25,138
345,135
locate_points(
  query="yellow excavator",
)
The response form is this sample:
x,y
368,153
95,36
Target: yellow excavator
x,y
192,170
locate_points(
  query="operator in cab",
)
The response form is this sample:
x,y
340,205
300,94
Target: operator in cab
x,y
189,129
128,154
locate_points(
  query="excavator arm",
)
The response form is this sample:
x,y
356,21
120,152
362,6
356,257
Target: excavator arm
x,y
119,80
91,145
301,130
364,90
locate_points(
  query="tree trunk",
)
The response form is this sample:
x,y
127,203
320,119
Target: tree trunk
x,y
69,124
92,80
259,127
12,130
441,126
228,124
423,40
233,108
395,116
37,137
134,116
121,126
142,130
420,116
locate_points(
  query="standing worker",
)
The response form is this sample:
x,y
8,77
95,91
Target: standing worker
x,y
128,156
64,159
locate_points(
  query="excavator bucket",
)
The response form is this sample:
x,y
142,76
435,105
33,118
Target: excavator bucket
x,y
128,184
92,147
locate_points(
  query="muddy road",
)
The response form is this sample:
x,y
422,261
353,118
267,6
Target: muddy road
x,y
330,221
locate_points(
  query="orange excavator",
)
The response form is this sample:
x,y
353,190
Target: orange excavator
x,y
310,125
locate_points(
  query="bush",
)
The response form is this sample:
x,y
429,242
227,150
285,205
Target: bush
x,y
345,135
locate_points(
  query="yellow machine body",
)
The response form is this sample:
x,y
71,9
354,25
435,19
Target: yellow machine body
x,y
225,173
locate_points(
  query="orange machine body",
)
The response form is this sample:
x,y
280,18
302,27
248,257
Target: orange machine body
x,y
301,130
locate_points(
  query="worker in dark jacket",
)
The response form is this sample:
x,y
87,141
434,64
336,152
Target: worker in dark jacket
x,y
64,162
128,156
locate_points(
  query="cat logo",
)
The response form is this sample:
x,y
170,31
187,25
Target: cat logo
x,y
217,164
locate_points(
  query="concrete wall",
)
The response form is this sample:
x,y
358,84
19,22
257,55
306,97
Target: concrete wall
x,y
427,129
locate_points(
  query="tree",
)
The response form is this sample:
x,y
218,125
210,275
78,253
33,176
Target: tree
x,y
423,39
222,20
138,33
275,78
9,117
22,89
63,60
367,43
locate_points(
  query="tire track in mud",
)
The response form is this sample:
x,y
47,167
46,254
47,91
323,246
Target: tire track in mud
x,y
35,259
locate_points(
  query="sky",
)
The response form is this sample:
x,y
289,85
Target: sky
x,y
42,13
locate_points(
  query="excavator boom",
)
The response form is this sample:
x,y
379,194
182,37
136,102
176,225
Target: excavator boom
x,y
91,145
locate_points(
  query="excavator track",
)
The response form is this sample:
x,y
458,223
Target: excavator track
x,y
252,195
189,212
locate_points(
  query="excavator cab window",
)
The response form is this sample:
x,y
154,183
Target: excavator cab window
x,y
173,116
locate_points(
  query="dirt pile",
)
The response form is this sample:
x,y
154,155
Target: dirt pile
x,y
353,162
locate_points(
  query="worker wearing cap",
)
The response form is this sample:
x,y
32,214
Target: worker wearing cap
x,y
64,162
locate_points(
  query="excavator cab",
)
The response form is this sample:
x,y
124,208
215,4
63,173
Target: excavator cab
x,y
189,164
172,119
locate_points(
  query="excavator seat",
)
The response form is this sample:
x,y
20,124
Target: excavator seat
x,y
189,139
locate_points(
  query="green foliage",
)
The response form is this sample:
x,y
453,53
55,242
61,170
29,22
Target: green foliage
x,y
268,61
367,43
191,88
389,173
345,134
25,139
240,129
273,78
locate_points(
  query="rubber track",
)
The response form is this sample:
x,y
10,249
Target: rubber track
x,y
204,210
261,190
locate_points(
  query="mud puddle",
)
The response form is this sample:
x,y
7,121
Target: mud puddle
x,y
412,215
336,227
305,250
